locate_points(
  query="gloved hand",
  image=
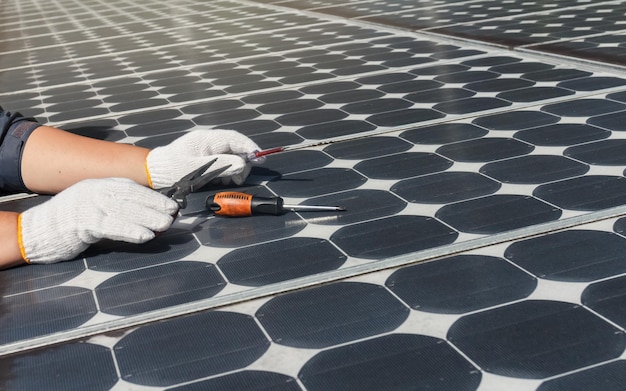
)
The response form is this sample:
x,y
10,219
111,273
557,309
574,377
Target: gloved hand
x,y
93,209
167,164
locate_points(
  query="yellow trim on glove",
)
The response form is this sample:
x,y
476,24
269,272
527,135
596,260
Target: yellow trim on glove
x,y
148,173
20,242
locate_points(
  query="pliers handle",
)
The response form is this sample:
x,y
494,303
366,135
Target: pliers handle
x,y
191,183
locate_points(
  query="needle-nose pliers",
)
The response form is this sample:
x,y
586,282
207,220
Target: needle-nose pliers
x,y
192,182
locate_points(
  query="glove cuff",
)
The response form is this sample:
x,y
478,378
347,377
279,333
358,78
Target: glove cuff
x,y
148,176
20,240
158,174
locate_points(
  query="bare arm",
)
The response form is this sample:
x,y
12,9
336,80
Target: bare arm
x,y
10,254
54,159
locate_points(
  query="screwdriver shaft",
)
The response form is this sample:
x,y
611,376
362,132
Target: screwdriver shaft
x,y
308,208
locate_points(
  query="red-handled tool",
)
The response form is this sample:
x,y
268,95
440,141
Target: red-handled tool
x,y
236,204
256,156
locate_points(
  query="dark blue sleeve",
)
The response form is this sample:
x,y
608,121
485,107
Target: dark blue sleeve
x,y
14,131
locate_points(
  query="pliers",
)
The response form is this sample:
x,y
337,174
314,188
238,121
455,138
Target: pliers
x,y
191,183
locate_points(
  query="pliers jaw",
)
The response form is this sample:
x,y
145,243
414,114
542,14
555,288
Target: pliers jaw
x,y
192,182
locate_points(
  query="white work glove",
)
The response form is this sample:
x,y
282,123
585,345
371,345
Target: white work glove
x,y
93,209
166,165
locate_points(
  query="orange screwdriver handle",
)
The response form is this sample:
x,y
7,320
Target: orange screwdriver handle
x,y
236,204
230,203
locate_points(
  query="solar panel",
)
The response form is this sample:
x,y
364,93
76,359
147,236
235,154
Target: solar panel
x,y
477,147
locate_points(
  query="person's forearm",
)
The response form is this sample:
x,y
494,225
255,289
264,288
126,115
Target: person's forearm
x,y
54,159
10,254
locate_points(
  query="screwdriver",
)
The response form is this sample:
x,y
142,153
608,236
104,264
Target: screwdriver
x,y
236,204
255,156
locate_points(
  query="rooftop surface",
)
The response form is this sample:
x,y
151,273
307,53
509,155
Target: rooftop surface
x,y
479,148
